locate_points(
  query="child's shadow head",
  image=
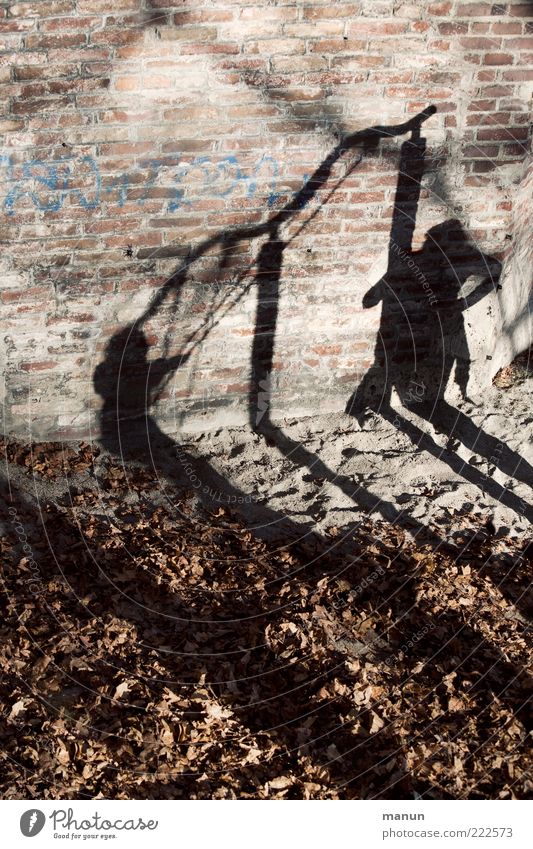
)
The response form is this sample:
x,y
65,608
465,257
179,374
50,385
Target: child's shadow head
x,y
126,353
448,247
129,345
447,239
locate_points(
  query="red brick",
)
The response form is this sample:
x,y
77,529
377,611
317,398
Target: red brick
x,y
480,152
336,45
44,42
41,9
367,197
291,64
497,59
188,33
341,10
494,119
503,134
517,75
11,26
360,61
44,365
525,43
486,76
209,48
455,28
93,6
202,16
261,11
271,46
38,72
268,103
375,27
440,9
513,150
413,91
67,24
239,388
479,43
497,91
521,10
473,10
72,318
482,106
506,28
326,350
32,107
115,38
439,44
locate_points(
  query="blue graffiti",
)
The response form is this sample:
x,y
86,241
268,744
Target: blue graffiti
x,y
48,184
122,182
273,196
31,173
225,172
90,204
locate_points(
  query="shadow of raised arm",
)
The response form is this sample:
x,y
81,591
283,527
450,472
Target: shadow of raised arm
x,y
373,296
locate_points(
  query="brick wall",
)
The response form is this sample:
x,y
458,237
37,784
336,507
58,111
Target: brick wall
x,y
148,142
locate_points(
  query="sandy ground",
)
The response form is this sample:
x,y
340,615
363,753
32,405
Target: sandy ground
x,y
329,470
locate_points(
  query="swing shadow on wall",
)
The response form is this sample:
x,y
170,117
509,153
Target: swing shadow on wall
x,y
420,340
129,384
422,315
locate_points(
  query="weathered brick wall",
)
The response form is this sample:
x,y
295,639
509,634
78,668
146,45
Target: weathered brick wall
x,y
145,141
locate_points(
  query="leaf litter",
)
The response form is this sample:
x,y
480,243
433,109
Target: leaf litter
x,y
165,651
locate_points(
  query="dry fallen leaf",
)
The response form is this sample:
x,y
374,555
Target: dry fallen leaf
x,y
19,707
377,723
62,754
122,688
281,782
216,711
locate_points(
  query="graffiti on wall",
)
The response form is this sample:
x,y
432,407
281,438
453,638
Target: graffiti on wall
x,y
48,184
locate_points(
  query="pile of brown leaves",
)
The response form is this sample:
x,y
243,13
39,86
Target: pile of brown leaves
x,y
159,652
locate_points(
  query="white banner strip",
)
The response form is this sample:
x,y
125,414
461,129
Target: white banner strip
x,y
258,825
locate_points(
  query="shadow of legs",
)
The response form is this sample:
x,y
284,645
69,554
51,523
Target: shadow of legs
x,y
362,498
423,441
456,423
